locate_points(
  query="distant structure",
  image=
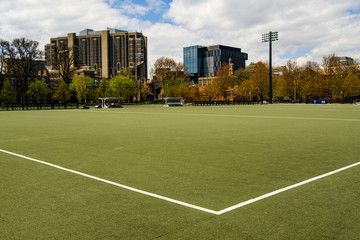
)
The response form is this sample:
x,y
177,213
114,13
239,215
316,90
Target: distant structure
x,y
105,53
204,62
345,59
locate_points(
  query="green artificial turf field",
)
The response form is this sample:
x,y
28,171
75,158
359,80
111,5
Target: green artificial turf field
x,y
212,158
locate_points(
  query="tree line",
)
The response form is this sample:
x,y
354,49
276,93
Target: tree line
x,y
19,79
332,80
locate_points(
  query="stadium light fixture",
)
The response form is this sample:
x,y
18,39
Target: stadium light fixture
x,y
270,37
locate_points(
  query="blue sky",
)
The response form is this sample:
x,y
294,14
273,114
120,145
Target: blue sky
x,y
146,10
308,29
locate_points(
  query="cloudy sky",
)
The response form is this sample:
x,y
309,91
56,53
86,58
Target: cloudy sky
x,y
308,29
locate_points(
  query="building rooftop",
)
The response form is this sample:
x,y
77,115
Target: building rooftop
x,y
92,32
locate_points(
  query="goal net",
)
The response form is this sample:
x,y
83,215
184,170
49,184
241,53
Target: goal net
x,y
356,102
111,102
173,102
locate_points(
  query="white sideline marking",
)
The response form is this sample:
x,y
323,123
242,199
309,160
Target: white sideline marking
x,y
240,116
239,205
285,189
114,183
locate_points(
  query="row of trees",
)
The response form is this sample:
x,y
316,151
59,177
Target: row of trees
x,y
19,59
333,80
19,62
80,87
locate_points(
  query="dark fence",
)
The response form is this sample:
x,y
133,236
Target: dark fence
x,y
44,106
221,103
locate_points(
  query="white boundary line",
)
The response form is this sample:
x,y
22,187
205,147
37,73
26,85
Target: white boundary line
x,y
113,183
285,189
239,205
237,116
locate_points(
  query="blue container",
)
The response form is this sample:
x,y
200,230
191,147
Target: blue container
x,y
319,101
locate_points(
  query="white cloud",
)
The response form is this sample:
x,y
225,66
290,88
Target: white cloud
x,y
307,29
313,28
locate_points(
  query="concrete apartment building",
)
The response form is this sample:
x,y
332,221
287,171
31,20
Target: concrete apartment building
x,y
104,53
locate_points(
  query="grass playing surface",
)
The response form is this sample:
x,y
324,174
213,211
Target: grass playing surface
x,y
212,157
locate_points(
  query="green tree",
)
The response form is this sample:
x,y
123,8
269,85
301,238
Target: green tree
x,y
175,87
7,93
80,86
241,74
38,89
103,87
63,93
122,86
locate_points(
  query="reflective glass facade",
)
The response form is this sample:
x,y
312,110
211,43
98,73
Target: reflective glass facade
x,y
202,61
191,59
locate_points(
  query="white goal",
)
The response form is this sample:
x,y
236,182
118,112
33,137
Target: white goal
x,y
356,102
173,102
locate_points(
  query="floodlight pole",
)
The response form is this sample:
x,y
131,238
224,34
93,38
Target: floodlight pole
x,y
269,37
270,70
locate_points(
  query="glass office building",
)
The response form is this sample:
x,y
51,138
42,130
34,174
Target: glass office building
x,y
191,56
202,61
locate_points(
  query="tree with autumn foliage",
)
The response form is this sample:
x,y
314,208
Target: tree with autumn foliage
x,y
168,73
345,79
223,81
259,77
310,78
289,81
245,91
165,68
210,91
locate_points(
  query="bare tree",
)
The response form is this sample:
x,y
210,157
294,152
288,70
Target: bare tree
x,y
64,60
3,54
22,62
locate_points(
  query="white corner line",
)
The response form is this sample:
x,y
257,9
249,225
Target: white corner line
x,y
239,205
242,204
114,183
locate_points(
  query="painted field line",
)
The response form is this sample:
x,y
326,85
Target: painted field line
x,y
114,183
240,116
239,205
284,189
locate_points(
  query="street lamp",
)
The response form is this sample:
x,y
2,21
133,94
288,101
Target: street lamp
x,y
270,37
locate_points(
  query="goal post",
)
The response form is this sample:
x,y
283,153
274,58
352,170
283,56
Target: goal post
x,y
111,102
174,102
356,102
